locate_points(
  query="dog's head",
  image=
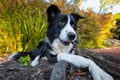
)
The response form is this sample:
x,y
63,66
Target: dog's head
x,y
61,26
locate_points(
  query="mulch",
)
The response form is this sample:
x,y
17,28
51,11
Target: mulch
x,y
13,70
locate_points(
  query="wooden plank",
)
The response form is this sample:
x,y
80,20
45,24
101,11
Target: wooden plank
x,y
59,71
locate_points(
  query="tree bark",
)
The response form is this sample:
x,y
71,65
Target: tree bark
x,y
104,61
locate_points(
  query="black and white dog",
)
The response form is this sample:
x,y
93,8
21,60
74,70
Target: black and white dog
x,y
59,43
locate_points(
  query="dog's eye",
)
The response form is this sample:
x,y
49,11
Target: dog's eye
x,y
73,25
62,23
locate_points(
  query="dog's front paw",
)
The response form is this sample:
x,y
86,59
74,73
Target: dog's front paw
x,y
105,76
98,73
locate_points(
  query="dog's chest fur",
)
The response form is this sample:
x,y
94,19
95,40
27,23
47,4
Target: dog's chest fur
x,y
57,47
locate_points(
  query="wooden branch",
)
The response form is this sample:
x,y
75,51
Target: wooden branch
x,y
59,71
111,67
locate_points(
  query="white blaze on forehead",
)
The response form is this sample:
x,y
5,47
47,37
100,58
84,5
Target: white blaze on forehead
x,y
67,28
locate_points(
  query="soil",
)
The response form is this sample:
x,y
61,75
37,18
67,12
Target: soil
x,y
12,70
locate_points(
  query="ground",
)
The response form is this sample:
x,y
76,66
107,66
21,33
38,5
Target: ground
x,y
12,70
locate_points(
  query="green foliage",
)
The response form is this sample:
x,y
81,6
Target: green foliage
x,y
116,31
22,25
116,16
24,60
94,30
88,34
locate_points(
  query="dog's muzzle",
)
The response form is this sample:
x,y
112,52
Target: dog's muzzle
x,y
65,42
71,39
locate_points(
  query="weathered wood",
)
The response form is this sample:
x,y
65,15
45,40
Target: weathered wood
x,y
59,71
111,67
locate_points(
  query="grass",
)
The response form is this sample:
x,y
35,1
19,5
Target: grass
x,y
21,27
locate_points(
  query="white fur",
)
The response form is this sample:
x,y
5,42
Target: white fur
x,y
97,72
12,56
68,28
58,47
44,58
35,61
73,52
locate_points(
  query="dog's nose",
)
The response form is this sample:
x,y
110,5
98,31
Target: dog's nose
x,y
71,36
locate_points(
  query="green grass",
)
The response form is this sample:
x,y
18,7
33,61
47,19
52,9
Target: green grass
x,y
21,28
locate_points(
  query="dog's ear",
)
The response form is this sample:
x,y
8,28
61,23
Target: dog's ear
x,y
77,16
52,11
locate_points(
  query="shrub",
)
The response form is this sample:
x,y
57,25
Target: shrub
x,y
94,30
116,31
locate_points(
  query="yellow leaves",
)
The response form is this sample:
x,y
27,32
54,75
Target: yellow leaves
x,y
60,3
117,16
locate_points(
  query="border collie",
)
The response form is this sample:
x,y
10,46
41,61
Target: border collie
x,y
58,45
